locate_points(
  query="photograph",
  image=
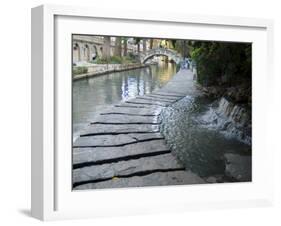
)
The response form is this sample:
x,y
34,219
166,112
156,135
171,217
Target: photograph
x,y
150,111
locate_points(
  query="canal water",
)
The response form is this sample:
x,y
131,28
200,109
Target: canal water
x,y
198,144
201,146
92,95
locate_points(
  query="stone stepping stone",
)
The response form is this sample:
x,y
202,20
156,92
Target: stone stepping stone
x,y
156,99
154,179
109,129
86,156
121,119
181,87
147,102
166,162
115,140
135,105
169,94
123,146
161,97
153,110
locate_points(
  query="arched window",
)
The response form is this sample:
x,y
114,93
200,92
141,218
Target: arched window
x,y
94,52
76,53
76,46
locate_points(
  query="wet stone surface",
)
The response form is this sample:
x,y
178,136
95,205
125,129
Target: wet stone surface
x,y
179,177
100,154
161,138
239,167
122,146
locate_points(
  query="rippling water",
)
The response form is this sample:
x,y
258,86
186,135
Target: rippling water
x,y
199,148
94,94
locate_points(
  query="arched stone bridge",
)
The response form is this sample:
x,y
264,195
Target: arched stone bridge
x,y
176,57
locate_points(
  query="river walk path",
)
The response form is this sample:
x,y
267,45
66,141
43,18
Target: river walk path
x,y
123,147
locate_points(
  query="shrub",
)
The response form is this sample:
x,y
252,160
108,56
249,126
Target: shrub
x,y
130,59
219,62
80,70
116,60
100,61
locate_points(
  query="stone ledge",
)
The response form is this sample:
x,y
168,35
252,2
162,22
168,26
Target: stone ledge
x,y
110,68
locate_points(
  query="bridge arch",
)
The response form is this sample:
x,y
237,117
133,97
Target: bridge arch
x,y
160,52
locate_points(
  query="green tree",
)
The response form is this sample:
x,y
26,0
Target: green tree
x,y
106,47
125,45
137,42
150,43
182,47
222,62
118,47
144,45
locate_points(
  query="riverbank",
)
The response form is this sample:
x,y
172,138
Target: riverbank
x,y
101,69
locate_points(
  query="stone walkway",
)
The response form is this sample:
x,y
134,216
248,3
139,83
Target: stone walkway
x,y
123,146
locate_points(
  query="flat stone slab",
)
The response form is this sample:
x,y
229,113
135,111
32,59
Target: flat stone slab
x,y
139,166
162,97
147,102
155,99
104,129
154,179
169,94
180,85
115,118
115,140
133,111
136,105
104,154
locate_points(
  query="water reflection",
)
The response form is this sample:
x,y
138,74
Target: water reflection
x,y
92,95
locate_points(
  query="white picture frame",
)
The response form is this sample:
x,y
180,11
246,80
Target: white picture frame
x,y
52,197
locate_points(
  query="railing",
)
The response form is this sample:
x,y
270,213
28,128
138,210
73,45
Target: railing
x,y
160,51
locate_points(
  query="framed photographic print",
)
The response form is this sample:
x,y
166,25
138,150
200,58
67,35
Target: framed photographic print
x,y
136,112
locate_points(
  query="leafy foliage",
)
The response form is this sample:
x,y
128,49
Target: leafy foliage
x,y
221,63
116,60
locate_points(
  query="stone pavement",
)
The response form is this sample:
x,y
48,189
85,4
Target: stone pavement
x,y
123,147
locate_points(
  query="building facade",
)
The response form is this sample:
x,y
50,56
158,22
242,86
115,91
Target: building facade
x,y
88,48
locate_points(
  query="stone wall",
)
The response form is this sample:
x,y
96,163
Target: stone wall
x,y
86,47
99,69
